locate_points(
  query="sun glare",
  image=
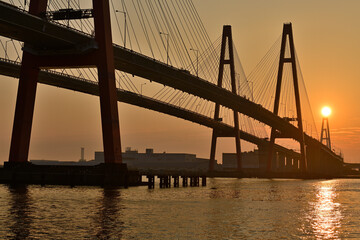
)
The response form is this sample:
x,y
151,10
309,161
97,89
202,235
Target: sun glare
x,y
326,111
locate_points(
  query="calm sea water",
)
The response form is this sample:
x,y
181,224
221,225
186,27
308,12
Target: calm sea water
x,y
225,209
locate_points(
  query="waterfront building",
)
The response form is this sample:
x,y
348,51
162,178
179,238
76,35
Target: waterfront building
x,y
157,161
249,160
149,160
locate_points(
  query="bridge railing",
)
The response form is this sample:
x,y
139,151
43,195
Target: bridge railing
x,y
10,61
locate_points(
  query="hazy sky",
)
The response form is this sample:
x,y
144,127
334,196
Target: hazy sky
x,y
327,37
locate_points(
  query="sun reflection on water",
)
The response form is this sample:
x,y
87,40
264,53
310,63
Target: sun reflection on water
x,y
326,215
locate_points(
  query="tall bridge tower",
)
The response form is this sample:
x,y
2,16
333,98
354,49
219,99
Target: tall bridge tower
x,y
325,129
287,36
101,57
226,43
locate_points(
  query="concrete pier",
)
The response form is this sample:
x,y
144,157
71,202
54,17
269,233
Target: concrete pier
x,y
203,181
176,181
184,181
151,181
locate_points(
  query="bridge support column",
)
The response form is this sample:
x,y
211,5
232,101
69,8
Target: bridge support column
x,y
203,181
168,181
192,181
24,110
299,135
107,86
25,101
151,181
176,181
103,59
162,183
226,41
184,181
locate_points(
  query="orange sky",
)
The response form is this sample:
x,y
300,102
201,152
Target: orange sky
x,y
326,32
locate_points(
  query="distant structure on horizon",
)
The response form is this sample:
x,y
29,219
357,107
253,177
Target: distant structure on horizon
x,y
143,161
169,161
82,158
159,161
249,160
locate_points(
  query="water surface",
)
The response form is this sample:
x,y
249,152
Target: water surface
x,y
224,209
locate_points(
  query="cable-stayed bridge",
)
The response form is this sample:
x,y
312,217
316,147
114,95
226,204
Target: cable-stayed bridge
x,y
206,90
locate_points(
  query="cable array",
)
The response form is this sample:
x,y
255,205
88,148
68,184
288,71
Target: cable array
x,y
264,76
171,31
10,49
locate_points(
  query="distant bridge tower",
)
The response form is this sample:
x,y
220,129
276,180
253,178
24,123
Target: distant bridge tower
x,y
288,35
226,41
100,56
325,130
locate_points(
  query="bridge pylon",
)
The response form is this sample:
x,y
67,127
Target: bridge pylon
x,y
287,35
325,132
226,41
100,55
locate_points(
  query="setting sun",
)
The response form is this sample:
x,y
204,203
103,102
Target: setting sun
x,y
326,111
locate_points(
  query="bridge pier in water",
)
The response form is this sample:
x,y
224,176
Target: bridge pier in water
x,y
102,58
165,179
203,181
36,57
194,181
284,161
176,181
184,181
151,181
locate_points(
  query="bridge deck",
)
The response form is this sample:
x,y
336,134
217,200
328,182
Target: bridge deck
x,y
12,69
50,38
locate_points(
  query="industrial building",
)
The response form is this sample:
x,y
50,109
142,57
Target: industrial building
x,y
249,160
143,161
164,161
